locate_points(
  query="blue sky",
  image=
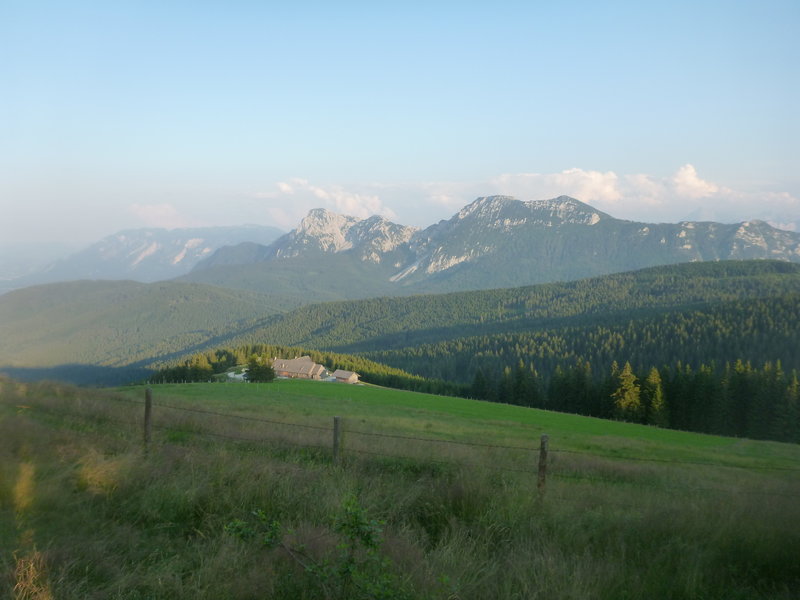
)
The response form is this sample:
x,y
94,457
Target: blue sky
x,y
124,114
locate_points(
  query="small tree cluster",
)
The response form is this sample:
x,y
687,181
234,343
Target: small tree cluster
x,y
259,370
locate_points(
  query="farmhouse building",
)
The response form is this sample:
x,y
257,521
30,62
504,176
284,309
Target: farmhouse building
x,y
298,368
345,376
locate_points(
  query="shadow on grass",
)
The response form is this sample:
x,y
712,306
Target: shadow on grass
x,y
92,375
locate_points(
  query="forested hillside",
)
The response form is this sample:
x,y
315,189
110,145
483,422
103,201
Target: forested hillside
x,y
119,323
392,323
316,278
709,347
751,330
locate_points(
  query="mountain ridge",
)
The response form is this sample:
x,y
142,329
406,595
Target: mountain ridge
x,y
145,255
499,241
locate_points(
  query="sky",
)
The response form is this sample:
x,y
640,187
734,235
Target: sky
x,y
128,114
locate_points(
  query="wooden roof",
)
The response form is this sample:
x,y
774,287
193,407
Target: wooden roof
x,y
302,365
342,374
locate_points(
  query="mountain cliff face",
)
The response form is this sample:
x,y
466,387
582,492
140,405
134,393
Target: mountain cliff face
x,y
493,226
499,241
372,239
322,232
510,242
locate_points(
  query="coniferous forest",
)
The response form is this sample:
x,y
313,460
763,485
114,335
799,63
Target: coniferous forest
x,y
710,348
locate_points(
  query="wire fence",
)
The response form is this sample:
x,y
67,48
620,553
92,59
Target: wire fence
x,y
596,468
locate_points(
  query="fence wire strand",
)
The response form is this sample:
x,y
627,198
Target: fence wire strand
x,y
242,417
440,461
480,445
236,438
556,474
671,461
441,441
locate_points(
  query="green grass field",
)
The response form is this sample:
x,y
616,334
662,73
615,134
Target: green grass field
x,y
453,418
434,497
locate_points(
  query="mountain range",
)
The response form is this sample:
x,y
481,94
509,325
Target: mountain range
x,y
246,291
495,241
144,255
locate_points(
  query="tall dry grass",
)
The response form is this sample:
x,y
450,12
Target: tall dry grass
x,y
102,519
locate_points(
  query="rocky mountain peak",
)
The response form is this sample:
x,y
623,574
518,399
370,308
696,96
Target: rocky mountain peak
x,y
564,210
324,229
501,241
485,206
503,210
377,236
330,232
321,222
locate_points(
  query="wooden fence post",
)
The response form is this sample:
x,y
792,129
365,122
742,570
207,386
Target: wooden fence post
x,y
542,462
148,413
337,440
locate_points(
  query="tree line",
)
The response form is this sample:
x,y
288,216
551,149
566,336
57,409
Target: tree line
x,y
209,366
735,399
751,330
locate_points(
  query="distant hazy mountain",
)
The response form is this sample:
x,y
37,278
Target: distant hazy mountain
x,y
22,259
496,241
146,255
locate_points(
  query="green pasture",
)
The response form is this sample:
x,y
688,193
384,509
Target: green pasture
x,y
450,418
237,497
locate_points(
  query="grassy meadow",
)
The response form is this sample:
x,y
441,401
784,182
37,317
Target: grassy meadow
x,y
237,496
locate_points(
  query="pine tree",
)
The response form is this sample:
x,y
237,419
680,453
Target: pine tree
x,y
605,405
739,389
480,386
703,409
582,388
557,390
258,372
786,422
505,387
655,404
627,397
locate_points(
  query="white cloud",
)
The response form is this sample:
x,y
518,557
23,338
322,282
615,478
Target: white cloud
x,y
689,185
297,196
159,215
447,195
682,195
588,186
285,188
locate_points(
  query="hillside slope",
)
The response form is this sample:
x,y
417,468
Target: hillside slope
x,y
383,323
116,323
127,323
